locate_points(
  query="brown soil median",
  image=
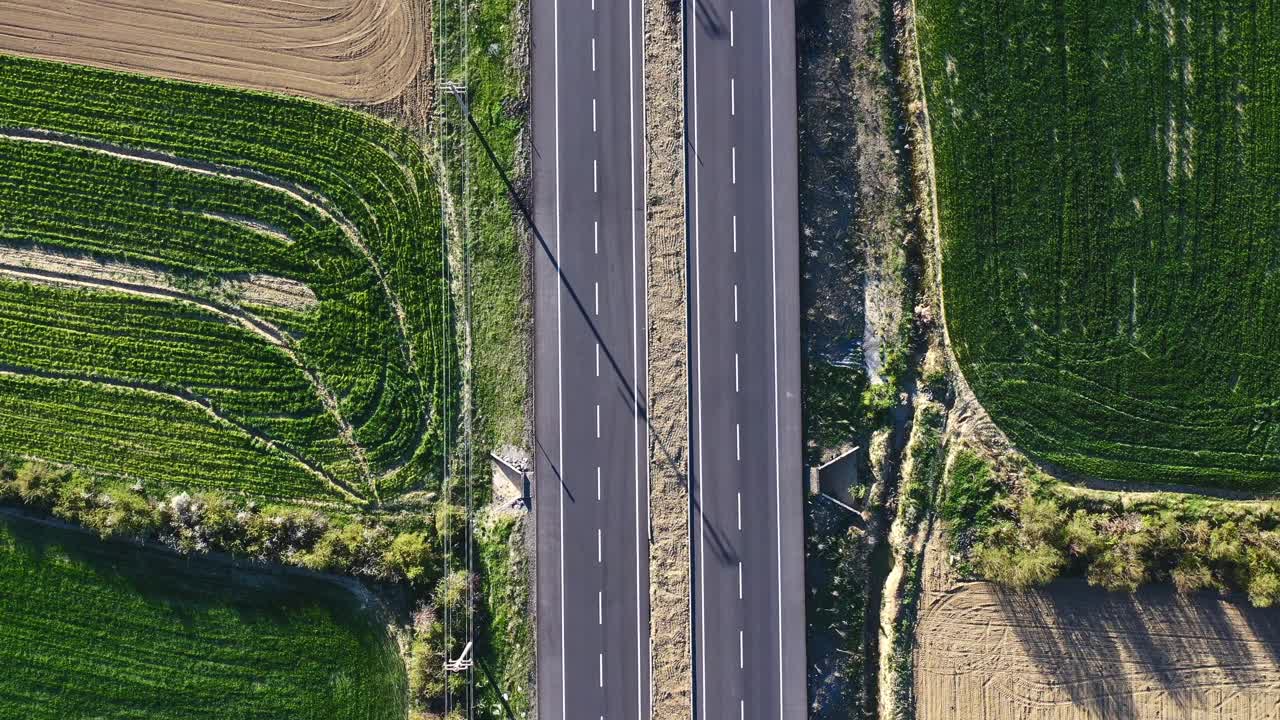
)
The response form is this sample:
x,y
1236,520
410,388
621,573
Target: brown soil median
x,y
669,580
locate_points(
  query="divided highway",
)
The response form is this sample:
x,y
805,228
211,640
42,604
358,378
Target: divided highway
x,y
746,474
592,481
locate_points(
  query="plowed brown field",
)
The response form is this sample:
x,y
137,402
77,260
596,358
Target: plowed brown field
x,y
1071,652
354,51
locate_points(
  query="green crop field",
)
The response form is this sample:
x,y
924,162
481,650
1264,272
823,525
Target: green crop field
x,y
1108,180
100,630
166,361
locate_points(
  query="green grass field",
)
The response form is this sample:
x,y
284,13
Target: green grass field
x,y
99,630
1107,183
190,377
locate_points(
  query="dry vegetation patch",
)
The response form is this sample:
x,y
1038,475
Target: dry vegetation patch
x,y
356,51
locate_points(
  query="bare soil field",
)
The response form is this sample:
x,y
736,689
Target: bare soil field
x,y
352,51
1071,652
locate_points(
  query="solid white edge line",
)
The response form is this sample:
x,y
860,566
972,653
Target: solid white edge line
x,y
777,432
697,274
555,53
644,204
635,361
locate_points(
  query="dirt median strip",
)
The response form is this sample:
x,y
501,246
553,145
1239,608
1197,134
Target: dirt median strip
x,y
354,51
669,570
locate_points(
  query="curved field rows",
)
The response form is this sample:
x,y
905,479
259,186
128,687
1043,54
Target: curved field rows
x,y
1072,652
1105,186
220,288
356,51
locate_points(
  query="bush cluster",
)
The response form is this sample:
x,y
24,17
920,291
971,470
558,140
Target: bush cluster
x,y
1195,544
211,521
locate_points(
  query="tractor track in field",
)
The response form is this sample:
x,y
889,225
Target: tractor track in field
x,y
190,398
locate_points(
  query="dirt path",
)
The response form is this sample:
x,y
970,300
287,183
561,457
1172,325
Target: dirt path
x,y
252,289
353,51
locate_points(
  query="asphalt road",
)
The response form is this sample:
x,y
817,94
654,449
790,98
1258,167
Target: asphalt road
x,y
591,481
746,474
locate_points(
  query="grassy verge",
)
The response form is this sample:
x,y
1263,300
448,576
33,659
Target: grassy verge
x,y
487,55
496,260
506,655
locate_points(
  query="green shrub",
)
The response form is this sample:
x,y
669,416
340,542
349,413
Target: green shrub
x,y
38,483
969,500
410,557
1192,574
426,658
876,402
1121,564
354,548
1019,566
1264,588
76,496
119,512
1081,535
